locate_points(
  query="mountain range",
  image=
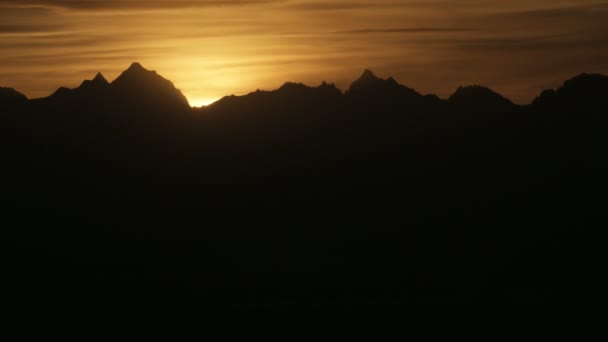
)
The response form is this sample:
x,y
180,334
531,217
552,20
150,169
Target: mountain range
x,y
140,89
120,199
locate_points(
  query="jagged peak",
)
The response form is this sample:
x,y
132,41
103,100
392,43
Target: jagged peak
x,y
582,87
293,85
368,74
97,81
135,70
369,80
136,66
367,77
99,78
325,84
139,85
138,74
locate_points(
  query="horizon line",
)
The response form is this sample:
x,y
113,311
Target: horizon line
x,y
200,102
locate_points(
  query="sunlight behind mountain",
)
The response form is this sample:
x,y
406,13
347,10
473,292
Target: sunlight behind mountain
x,y
210,50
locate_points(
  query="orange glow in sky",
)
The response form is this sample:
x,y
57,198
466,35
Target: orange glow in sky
x,y
214,48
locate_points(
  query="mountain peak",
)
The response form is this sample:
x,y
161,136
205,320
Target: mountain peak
x,y
367,80
136,70
97,83
63,91
472,90
588,77
138,74
99,78
368,75
11,94
292,85
476,95
141,87
585,82
368,72
368,84
583,89
326,85
135,66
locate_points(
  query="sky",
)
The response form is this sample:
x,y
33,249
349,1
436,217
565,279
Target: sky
x,y
213,48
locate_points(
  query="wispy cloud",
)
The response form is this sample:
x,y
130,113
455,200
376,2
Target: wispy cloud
x,y
327,5
27,28
407,30
130,4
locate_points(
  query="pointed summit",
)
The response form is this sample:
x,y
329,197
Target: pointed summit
x,y
100,79
135,66
368,86
329,86
368,76
368,80
136,73
139,88
96,84
136,89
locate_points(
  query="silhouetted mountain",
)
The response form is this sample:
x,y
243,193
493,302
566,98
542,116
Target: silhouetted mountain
x,y
368,80
90,93
370,93
479,98
98,83
10,96
61,92
288,96
302,199
135,90
585,86
370,86
588,90
139,88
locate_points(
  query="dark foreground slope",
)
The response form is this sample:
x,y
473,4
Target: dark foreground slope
x,y
121,200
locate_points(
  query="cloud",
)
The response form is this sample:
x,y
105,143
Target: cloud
x,y
407,30
29,28
130,4
326,5
545,43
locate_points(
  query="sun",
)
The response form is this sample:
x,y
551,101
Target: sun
x,y
201,102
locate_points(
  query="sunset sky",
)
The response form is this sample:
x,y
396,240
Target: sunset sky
x,y
212,48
